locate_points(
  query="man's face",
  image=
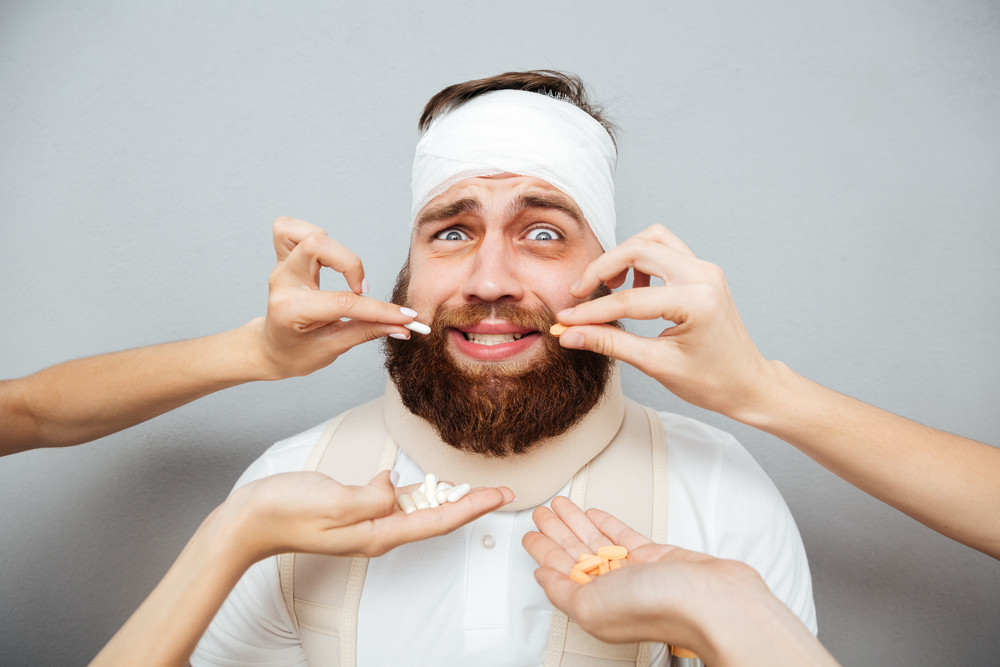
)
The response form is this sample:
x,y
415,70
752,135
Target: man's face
x,y
491,261
498,240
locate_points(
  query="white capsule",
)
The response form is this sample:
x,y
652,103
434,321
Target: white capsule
x,y
441,494
457,493
419,327
406,503
429,487
420,500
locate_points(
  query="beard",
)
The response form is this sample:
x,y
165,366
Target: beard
x,y
494,409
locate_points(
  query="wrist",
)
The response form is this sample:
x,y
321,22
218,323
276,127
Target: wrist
x,y
229,532
254,349
769,394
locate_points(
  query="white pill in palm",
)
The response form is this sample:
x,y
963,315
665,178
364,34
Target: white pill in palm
x,y
458,492
420,500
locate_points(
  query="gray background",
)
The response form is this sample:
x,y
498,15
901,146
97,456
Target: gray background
x,y
841,161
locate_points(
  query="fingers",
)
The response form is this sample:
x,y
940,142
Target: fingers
x,y
574,518
360,503
547,552
400,528
288,232
303,248
307,310
617,531
653,252
559,589
669,302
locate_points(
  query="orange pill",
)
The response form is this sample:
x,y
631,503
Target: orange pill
x,y
583,557
557,329
588,563
682,652
614,565
605,567
613,552
579,577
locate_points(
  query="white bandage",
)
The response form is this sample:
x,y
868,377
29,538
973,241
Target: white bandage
x,y
529,134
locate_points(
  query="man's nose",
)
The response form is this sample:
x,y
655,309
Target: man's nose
x,y
494,274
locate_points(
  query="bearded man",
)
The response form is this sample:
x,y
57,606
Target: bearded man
x,y
512,225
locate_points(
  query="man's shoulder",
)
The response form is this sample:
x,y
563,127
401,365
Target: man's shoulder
x,y
683,430
286,455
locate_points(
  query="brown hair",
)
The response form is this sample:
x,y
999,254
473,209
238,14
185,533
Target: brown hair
x,y
549,82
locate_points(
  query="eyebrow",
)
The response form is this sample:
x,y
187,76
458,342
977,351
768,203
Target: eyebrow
x,y
448,211
468,205
551,202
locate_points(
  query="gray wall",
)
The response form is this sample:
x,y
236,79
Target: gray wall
x,y
840,160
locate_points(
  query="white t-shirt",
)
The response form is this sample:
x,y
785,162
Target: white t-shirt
x,y
470,597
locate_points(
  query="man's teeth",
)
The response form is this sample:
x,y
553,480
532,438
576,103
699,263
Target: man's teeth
x,y
492,339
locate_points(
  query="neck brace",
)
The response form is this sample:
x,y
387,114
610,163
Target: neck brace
x,y
534,476
529,134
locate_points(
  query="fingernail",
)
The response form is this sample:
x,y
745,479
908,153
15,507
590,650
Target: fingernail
x,y
565,313
364,286
409,312
575,285
394,477
573,341
418,327
399,336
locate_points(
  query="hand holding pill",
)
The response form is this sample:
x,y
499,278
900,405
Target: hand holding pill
x,y
310,512
307,328
704,355
613,581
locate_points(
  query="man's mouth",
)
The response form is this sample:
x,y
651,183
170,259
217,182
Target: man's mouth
x,y
492,339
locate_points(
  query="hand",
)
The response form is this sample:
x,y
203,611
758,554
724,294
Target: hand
x,y
657,595
308,512
303,330
707,358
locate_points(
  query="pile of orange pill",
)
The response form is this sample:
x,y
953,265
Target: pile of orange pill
x,y
605,560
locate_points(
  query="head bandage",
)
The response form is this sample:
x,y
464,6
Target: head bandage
x,y
529,134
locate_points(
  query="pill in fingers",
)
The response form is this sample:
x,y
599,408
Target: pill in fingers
x,y
418,327
557,329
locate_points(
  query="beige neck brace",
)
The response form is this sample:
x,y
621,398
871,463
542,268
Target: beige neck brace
x,y
535,476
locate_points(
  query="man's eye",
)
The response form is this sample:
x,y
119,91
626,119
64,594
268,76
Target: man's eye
x,y
542,234
452,235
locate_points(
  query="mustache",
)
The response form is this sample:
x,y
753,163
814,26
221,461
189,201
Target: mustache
x,y
469,315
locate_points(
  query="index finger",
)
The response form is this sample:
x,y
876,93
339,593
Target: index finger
x,y
643,256
301,265
619,532
288,232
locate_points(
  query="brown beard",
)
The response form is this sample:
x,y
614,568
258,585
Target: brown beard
x,y
493,409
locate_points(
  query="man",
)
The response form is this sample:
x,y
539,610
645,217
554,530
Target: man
x,y
512,209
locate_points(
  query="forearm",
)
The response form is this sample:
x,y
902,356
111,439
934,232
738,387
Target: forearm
x,y
165,629
85,399
754,628
942,480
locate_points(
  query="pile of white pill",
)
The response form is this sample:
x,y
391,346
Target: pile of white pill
x,y
431,493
